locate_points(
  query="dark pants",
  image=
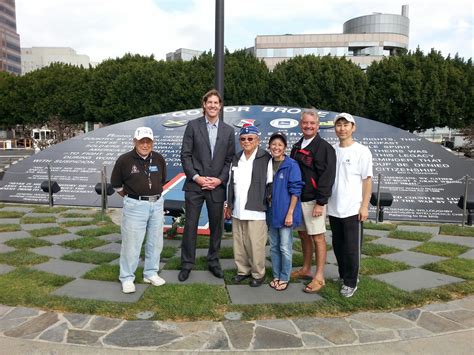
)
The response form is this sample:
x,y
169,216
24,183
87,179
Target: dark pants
x,y
215,211
347,244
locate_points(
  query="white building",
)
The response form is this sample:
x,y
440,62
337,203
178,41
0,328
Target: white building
x,y
38,57
183,54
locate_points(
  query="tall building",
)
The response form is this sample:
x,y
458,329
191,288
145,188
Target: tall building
x,y
10,55
38,57
364,39
183,54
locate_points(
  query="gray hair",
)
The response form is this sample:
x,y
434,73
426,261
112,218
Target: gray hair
x,y
311,112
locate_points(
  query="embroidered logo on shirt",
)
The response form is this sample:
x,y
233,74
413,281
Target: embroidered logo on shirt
x,y
134,170
153,169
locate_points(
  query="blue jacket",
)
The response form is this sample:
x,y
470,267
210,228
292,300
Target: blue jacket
x,y
286,182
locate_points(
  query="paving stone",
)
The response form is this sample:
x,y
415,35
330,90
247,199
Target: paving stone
x,y
201,252
9,221
227,243
337,331
358,325
112,238
140,333
330,257
84,212
330,271
99,290
314,341
33,326
244,294
4,236
227,264
109,248
53,251
35,214
77,320
218,341
463,317
273,339
193,343
4,310
410,314
103,324
22,312
437,324
278,324
5,269
412,258
416,279
376,233
195,277
371,336
7,324
55,334
467,255
465,303
172,242
382,320
190,328
60,238
466,241
83,337
414,333
65,268
30,227
421,229
240,333
397,243
438,307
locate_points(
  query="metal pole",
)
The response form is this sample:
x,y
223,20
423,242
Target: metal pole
x,y
219,49
50,192
102,190
105,189
379,177
464,207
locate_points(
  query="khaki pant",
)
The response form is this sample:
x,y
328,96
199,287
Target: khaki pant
x,y
250,238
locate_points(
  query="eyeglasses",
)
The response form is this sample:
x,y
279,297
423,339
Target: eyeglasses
x,y
243,139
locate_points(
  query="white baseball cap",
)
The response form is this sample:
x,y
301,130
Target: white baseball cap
x,y
143,132
348,117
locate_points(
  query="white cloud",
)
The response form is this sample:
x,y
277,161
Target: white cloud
x,y
110,28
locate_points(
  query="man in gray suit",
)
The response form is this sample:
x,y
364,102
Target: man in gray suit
x,y
206,154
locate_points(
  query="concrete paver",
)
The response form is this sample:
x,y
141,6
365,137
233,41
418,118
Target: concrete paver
x,y
53,251
420,229
397,243
60,238
65,268
412,258
5,268
244,294
466,241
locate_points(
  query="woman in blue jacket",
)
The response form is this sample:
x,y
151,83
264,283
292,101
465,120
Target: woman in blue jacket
x,y
284,209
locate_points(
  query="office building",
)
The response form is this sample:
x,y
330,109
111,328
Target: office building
x,y
364,39
38,57
10,54
183,54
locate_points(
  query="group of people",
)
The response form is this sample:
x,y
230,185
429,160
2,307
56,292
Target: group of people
x,y
266,193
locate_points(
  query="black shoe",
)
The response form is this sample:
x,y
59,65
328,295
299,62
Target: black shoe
x,y
217,271
257,282
184,274
239,278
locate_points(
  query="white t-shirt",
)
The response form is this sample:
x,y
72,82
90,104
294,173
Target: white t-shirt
x,y
354,164
242,180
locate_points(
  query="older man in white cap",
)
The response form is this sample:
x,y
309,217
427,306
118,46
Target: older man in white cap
x,y
138,176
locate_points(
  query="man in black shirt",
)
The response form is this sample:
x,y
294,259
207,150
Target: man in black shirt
x,y
138,176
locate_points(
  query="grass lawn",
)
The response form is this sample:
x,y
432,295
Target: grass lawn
x,y
449,229
459,267
441,249
22,258
90,256
371,249
45,232
372,266
379,226
33,220
11,214
9,228
26,243
418,236
103,230
84,243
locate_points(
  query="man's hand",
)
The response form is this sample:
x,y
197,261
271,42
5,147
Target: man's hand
x,y
363,213
318,210
211,183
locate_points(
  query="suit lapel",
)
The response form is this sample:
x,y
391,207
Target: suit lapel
x,y
205,134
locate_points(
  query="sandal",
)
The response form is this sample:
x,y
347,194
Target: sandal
x,y
314,286
282,286
274,283
298,275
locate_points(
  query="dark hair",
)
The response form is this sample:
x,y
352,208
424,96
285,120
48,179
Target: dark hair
x,y
210,93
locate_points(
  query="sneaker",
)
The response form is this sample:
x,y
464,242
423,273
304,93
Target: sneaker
x,y
155,280
128,287
347,291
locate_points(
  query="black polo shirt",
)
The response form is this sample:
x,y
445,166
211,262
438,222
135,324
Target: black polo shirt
x,y
135,174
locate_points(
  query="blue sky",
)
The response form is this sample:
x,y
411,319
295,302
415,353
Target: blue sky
x,y
110,28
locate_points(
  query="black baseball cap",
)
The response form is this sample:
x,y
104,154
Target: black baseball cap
x,y
280,135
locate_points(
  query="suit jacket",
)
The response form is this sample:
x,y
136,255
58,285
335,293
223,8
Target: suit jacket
x,y
196,155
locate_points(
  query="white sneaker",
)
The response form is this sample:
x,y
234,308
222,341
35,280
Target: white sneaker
x,y
155,280
128,287
347,291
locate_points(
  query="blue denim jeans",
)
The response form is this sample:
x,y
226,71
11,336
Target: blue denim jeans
x,y
281,247
140,219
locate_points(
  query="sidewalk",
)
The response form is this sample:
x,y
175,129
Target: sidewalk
x,y
449,325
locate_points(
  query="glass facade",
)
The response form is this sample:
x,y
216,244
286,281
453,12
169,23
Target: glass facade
x,y
10,52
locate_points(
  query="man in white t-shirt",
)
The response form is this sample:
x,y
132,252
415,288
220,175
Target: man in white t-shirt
x,y
348,205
